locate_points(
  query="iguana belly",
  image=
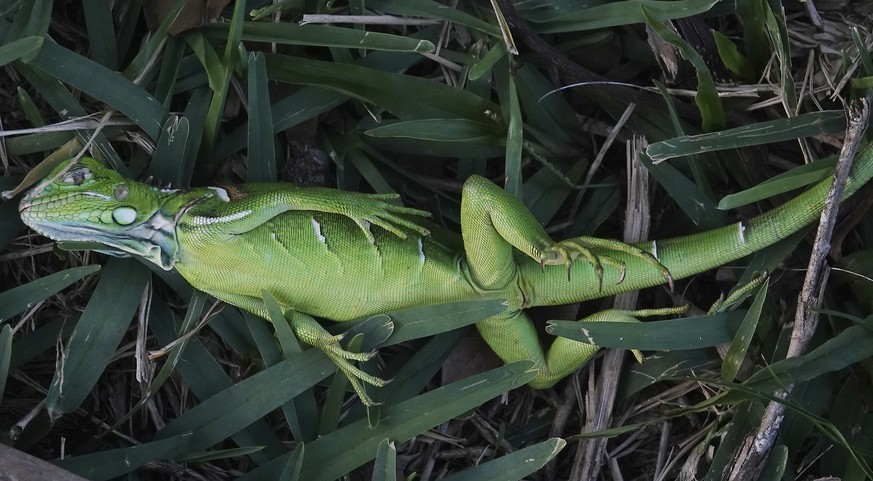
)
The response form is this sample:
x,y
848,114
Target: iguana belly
x,y
323,265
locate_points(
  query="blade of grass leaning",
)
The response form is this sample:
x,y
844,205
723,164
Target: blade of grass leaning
x,y
739,347
18,299
10,227
302,411
112,463
41,170
385,464
732,58
97,335
249,400
216,454
707,99
229,61
569,17
486,64
439,130
270,354
168,159
323,36
5,357
41,340
347,448
261,159
309,102
35,21
513,181
805,175
43,141
693,201
778,35
68,107
405,96
291,471
101,32
195,307
667,365
846,348
304,104
151,49
206,378
24,47
29,109
546,192
811,124
195,112
425,321
103,84
756,45
208,58
171,63
368,170
513,466
670,335
549,114
434,10
863,54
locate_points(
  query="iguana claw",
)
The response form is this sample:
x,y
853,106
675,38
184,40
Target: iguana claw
x,y
566,251
388,216
312,333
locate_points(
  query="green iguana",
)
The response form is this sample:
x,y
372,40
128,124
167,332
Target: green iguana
x,y
302,244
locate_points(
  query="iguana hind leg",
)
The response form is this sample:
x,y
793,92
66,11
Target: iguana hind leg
x,y
493,223
512,337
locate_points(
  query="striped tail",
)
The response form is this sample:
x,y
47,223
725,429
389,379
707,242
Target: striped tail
x,y
688,255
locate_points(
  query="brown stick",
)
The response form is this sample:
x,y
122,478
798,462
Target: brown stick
x,y
753,453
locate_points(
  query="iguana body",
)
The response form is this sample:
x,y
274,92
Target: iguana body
x,y
341,255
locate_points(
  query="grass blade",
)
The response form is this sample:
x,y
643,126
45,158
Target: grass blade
x,y
97,334
261,161
103,84
18,299
349,447
20,48
670,335
513,466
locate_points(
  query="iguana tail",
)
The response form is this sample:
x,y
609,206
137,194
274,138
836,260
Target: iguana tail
x,y
688,255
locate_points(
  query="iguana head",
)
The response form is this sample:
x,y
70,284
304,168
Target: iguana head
x,y
91,203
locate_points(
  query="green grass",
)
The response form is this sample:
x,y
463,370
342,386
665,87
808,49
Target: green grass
x,y
416,107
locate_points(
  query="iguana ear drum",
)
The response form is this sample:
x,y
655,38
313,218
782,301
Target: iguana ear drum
x,y
124,215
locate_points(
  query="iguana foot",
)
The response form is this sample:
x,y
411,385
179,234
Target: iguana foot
x,y
566,251
377,209
312,333
356,376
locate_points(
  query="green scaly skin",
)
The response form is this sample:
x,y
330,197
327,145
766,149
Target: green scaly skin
x,y
300,244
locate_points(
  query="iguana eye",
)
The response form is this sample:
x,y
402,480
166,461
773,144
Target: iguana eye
x,y
121,192
77,175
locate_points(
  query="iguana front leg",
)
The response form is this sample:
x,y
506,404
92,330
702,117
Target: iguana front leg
x,y
239,209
